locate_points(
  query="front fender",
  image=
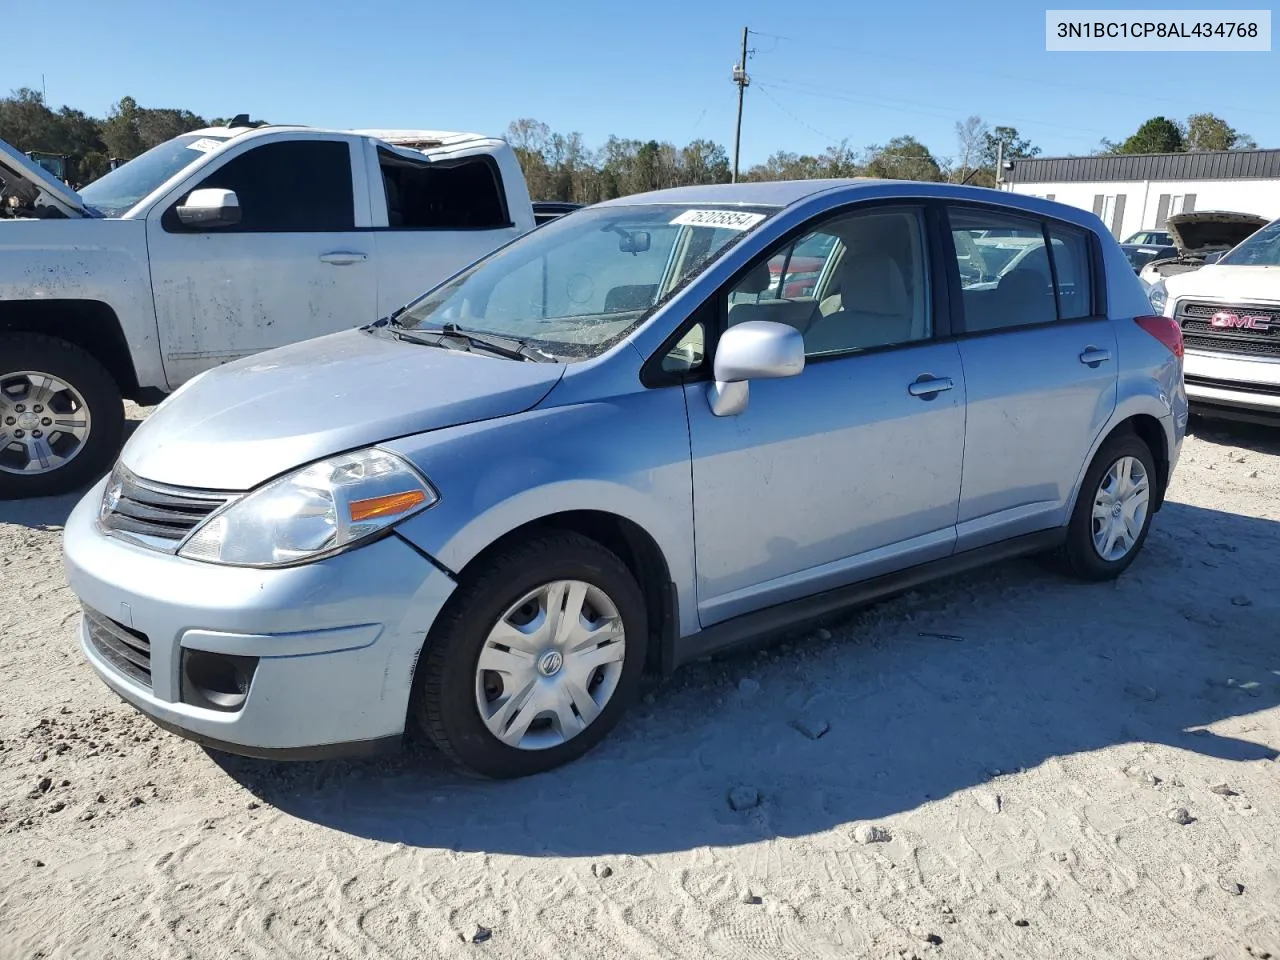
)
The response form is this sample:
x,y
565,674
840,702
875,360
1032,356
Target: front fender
x,y
103,261
627,456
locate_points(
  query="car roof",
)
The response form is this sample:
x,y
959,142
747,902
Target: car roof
x,y
785,193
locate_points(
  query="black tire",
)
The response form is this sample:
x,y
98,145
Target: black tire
x,y
443,707
1078,557
101,394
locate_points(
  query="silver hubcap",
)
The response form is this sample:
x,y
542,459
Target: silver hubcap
x,y
550,664
1120,509
44,422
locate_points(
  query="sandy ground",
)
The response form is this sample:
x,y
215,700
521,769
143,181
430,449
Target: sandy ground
x,y
1024,748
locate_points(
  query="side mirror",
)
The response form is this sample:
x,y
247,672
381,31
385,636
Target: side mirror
x,y
754,350
634,241
209,208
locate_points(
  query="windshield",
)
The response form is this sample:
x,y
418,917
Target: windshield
x,y
1139,257
580,284
113,194
1262,249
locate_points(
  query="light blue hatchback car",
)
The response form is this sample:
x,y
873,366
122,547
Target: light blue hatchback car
x,y
624,441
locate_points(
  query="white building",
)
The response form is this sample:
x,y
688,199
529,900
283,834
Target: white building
x,y
1133,192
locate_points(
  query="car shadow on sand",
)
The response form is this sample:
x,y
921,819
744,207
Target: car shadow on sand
x,y
50,513
925,695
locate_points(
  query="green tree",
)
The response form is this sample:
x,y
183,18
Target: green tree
x,y
1157,135
902,158
1016,146
1204,131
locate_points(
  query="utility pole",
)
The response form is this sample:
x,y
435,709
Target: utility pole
x,y
743,81
999,162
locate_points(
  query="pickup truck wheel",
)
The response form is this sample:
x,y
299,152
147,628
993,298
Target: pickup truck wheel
x,y
534,658
61,417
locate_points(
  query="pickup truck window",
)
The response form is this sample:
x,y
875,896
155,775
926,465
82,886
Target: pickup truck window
x,y
578,285
290,186
1260,250
114,193
444,194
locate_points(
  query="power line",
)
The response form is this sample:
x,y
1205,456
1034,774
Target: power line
x,y
1022,80
777,103
888,104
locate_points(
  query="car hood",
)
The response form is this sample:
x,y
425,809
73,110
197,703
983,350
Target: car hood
x,y
1226,283
235,426
52,191
1204,231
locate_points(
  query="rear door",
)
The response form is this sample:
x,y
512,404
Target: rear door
x,y
295,267
1040,371
435,215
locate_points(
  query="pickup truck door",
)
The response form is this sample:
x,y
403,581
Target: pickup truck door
x,y
435,213
295,267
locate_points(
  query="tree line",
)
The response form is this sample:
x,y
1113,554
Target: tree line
x,y
561,166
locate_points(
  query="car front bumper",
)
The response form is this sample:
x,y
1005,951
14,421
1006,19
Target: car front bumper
x,y
1246,385
333,644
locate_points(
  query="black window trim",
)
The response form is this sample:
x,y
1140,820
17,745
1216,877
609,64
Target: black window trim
x,y
714,314
170,223
494,170
1095,265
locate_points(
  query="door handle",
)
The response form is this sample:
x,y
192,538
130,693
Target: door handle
x,y
1092,356
341,258
928,387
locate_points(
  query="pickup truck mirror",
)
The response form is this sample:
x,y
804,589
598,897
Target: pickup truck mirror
x,y
209,208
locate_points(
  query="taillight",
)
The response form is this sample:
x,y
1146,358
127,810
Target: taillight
x,y
1165,329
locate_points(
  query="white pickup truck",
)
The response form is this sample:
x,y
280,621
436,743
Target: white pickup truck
x,y
213,246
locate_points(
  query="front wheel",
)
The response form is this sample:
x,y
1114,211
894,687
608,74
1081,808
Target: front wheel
x,y
1113,511
534,659
61,417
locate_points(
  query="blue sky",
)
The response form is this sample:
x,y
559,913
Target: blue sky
x,y
653,69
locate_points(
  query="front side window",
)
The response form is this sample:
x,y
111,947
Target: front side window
x,y
290,186
1262,249
578,285
857,282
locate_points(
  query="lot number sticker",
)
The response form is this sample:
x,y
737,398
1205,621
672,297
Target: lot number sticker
x,y
204,145
725,219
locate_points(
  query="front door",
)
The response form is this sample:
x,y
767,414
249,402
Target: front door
x,y
1040,371
850,469
295,267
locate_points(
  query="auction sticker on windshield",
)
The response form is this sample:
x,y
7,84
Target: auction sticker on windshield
x,y
204,144
724,219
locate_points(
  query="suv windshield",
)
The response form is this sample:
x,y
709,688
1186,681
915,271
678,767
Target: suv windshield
x,y
1262,249
578,285
114,193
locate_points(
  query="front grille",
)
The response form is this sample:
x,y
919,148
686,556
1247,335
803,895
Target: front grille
x,y
153,514
1198,333
126,649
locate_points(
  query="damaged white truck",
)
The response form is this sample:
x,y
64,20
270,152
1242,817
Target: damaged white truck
x,y
213,246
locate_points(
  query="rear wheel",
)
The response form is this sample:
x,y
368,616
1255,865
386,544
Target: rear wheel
x,y
535,658
1113,511
61,417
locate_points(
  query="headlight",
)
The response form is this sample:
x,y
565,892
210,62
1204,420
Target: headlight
x,y
1158,296
313,512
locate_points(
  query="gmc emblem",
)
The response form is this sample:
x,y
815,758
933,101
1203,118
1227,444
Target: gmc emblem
x,y
1223,320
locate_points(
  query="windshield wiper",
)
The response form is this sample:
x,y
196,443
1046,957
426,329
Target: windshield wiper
x,y
451,336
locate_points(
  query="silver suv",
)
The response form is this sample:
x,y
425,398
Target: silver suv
x,y
617,443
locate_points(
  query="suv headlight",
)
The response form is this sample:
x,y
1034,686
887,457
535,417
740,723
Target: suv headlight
x,y
1158,296
314,512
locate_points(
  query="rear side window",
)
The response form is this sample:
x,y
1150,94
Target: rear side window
x,y
1008,271
1070,252
444,195
292,186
